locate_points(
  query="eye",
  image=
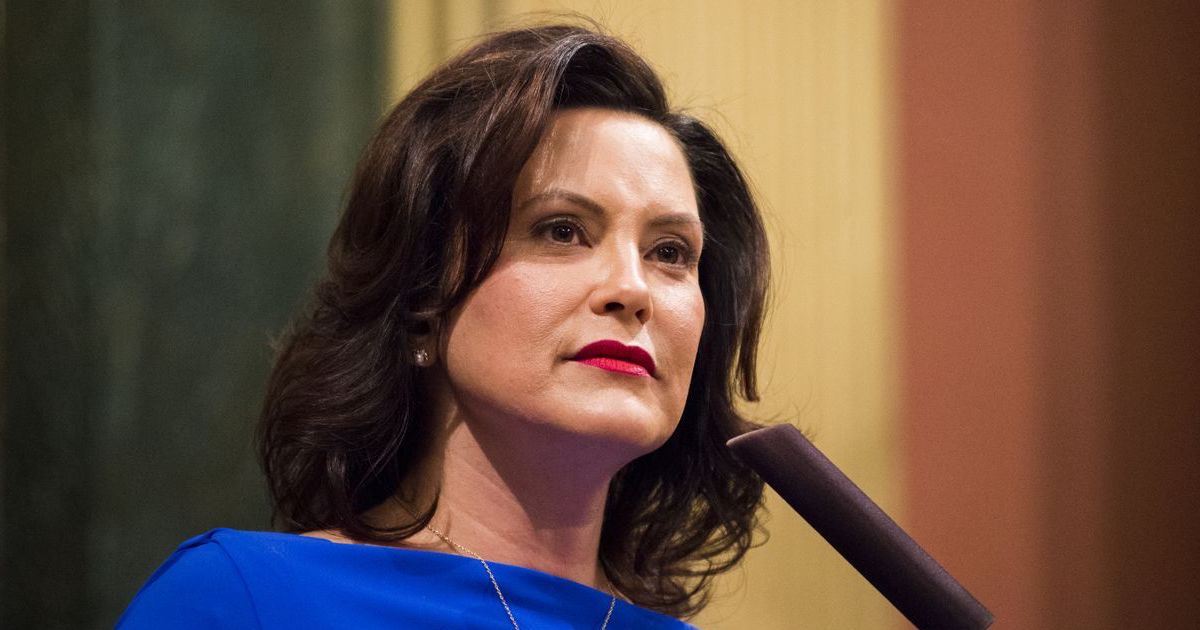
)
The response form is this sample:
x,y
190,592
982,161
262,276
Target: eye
x,y
561,231
673,253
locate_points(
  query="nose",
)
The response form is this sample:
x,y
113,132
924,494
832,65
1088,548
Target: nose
x,y
622,287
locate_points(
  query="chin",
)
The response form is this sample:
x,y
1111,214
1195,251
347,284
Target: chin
x,y
626,426
632,428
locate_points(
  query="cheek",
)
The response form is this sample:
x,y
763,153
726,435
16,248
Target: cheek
x,y
510,317
684,323
687,321
698,314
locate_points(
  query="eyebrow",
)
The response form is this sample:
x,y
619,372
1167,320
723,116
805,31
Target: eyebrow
x,y
672,218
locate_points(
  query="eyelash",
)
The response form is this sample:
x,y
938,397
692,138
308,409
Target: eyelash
x,y
545,229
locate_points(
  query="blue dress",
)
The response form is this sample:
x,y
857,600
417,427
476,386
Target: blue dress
x,y
237,579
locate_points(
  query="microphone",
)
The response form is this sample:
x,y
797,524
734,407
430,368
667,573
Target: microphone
x,y
859,530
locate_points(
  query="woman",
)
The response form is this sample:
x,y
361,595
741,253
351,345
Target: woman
x,y
508,403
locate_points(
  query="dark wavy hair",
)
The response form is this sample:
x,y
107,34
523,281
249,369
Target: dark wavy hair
x,y
344,422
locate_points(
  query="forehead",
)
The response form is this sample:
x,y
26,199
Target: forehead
x,y
617,158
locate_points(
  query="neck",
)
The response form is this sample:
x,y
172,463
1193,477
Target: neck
x,y
526,502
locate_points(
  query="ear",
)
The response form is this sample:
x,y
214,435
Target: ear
x,y
422,357
424,342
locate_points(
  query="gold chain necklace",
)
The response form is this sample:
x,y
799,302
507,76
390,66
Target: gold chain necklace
x,y
496,585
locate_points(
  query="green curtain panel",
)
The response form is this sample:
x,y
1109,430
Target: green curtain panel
x,y
171,172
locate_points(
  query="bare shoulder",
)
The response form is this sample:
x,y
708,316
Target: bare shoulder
x,y
330,535
422,541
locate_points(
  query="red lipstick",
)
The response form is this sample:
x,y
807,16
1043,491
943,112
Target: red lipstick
x,y
615,356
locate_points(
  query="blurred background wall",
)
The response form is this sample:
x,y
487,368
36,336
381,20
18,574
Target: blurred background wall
x,y
1051,216
171,174
983,218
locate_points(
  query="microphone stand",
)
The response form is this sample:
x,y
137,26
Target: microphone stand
x,y
859,530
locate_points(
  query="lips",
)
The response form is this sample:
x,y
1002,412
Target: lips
x,y
615,356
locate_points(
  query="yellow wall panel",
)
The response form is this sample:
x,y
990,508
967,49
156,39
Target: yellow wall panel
x,y
800,92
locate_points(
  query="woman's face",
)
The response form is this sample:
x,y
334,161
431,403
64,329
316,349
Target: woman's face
x,y
602,246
